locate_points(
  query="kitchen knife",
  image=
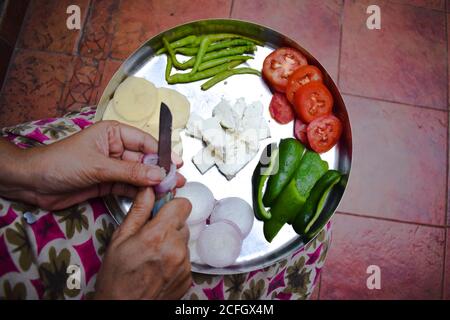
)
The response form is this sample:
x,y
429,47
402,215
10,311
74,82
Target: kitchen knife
x,y
164,150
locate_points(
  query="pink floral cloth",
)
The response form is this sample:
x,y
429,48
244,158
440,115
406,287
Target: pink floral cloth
x,y
37,246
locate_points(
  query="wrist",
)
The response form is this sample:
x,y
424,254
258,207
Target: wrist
x,y
18,168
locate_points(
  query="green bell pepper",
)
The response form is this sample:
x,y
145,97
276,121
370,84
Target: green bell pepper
x,y
291,152
293,197
259,177
315,202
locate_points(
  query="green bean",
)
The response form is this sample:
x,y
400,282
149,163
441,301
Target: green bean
x,y
192,51
208,73
201,53
226,74
168,67
179,43
216,62
217,54
171,54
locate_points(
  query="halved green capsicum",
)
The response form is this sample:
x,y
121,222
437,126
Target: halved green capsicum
x,y
260,175
315,202
291,152
293,197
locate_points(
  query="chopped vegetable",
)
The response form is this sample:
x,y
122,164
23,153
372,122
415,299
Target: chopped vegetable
x,y
201,198
300,132
216,46
169,182
195,229
236,210
226,74
280,64
219,244
259,178
218,54
313,100
294,195
312,208
208,73
290,155
280,109
323,133
300,77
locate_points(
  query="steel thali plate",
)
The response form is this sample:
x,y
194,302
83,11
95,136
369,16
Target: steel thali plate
x,y
256,251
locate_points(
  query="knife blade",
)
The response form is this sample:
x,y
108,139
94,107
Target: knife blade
x,y
165,138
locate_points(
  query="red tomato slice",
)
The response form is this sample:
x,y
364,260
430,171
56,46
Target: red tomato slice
x,y
323,133
280,109
313,100
300,132
280,64
300,77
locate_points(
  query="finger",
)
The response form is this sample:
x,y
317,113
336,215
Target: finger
x,y
184,234
139,213
138,174
137,156
181,180
133,156
134,139
174,213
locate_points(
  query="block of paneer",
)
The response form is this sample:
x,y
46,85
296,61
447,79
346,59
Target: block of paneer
x,y
204,159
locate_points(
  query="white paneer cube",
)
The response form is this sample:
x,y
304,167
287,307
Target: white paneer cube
x,y
194,125
213,135
204,159
224,113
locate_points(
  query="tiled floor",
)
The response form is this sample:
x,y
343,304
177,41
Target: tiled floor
x,y
394,81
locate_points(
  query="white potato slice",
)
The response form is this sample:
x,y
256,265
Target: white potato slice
x,y
135,99
111,114
179,107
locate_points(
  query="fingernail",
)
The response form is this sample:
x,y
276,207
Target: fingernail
x,y
156,173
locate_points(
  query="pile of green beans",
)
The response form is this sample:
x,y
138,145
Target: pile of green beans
x,y
214,56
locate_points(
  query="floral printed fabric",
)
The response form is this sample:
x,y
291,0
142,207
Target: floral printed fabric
x,y
37,246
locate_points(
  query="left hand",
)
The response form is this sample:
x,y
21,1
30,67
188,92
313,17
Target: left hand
x,y
102,159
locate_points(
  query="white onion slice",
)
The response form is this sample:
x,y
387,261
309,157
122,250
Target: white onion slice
x,y
236,210
201,198
169,182
193,253
219,244
195,229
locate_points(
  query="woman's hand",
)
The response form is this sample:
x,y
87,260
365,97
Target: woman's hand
x,y
102,159
148,259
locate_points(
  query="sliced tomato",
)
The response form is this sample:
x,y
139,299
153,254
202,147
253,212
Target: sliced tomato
x,y
300,77
300,132
280,64
280,109
323,133
313,100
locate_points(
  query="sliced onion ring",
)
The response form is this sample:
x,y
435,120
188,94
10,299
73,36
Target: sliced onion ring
x,y
169,182
201,198
236,210
219,244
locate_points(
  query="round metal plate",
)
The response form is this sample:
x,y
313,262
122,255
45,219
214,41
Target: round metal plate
x,y
256,252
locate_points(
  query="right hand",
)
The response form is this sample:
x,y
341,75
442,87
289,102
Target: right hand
x,y
148,259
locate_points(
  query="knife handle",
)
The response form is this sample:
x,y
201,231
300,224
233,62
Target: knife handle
x,y
160,202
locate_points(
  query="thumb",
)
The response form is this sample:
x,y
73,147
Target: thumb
x,y
134,173
139,213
